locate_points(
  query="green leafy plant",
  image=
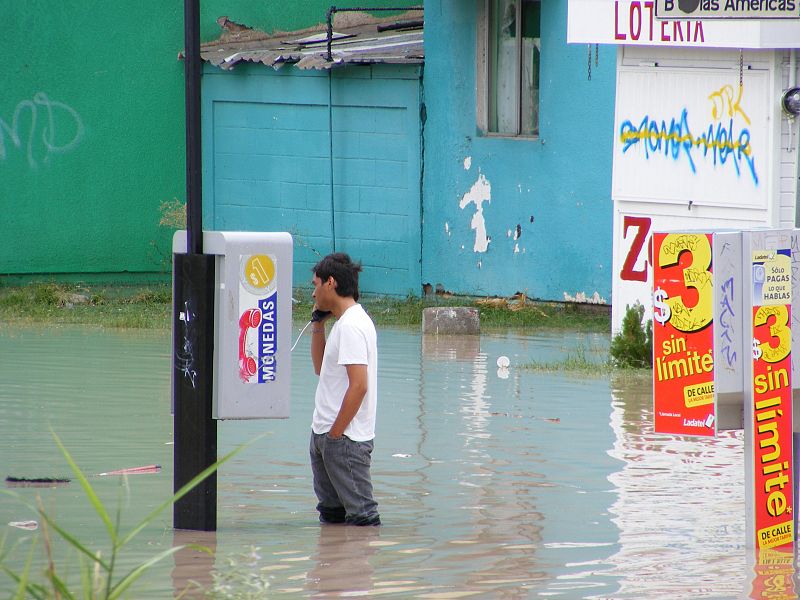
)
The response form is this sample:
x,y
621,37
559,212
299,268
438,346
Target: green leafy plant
x,y
632,347
99,577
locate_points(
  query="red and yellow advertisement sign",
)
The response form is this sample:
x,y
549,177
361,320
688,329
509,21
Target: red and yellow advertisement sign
x,y
772,398
683,359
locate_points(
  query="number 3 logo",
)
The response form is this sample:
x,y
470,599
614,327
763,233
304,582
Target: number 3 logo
x,y
778,330
696,276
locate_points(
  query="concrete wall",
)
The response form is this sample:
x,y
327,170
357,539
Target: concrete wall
x,y
503,215
92,128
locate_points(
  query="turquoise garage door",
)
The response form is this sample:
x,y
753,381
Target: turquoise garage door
x,y
274,142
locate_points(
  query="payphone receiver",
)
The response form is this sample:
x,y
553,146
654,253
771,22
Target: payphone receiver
x,y
318,315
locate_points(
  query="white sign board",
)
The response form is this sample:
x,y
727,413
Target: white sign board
x,y
634,22
726,9
690,137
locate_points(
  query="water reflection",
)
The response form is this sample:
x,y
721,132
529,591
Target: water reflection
x,y
341,563
193,563
772,575
679,506
534,485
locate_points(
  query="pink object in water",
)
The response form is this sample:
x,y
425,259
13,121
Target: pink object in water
x,y
134,470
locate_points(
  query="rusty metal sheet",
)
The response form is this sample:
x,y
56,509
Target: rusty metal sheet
x,y
383,41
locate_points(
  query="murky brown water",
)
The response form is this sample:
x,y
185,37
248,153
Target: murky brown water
x,y
524,486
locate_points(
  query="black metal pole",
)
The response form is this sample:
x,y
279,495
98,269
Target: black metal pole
x,y
192,69
195,431
329,23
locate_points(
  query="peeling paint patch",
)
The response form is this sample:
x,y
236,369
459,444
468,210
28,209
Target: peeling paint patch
x,y
467,163
582,298
480,191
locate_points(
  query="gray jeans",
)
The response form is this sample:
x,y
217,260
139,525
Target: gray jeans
x,y
341,480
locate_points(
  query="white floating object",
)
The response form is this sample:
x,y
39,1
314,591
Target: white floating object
x,y
503,362
401,456
28,525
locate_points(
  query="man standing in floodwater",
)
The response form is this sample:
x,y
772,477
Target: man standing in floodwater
x,y
343,426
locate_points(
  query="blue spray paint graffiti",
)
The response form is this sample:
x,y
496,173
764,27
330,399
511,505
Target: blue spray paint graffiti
x,y
727,321
722,141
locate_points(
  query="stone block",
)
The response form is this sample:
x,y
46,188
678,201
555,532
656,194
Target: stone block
x,y
451,320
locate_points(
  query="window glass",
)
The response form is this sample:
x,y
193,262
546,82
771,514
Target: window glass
x,y
531,41
513,66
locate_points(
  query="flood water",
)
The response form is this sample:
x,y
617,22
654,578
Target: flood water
x,y
523,484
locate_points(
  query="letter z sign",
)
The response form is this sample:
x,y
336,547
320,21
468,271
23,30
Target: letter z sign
x,y
642,227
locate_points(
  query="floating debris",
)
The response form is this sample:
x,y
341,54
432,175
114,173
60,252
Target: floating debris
x,y
134,471
502,366
12,481
26,525
36,481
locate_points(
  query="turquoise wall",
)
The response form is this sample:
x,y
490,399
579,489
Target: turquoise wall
x,y
92,128
549,219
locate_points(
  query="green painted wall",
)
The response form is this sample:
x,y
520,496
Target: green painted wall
x,y
92,128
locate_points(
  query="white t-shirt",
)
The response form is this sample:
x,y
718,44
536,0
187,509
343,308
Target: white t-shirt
x,y
352,341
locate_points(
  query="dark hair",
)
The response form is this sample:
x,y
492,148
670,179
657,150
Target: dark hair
x,y
339,266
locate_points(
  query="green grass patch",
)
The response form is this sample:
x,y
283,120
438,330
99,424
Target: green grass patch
x,y
112,306
578,362
495,313
150,307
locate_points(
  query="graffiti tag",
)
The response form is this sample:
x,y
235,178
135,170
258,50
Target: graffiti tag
x,y
40,127
722,102
727,321
725,144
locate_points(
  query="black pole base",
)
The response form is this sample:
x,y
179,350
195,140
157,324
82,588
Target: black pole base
x,y
195,431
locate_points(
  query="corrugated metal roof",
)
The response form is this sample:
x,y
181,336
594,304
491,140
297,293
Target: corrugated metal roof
x,y
397,40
